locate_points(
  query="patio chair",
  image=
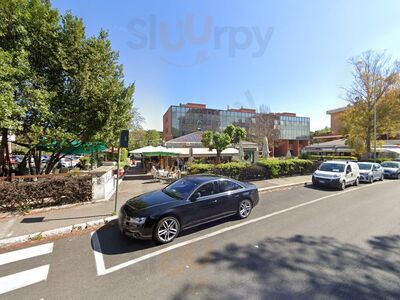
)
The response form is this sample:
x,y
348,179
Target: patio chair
x,y
155,173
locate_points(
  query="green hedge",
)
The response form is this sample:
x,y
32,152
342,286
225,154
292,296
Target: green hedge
x,y
232,169
262,170
196,168
287,167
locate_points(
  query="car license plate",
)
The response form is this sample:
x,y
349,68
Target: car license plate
x,y
322,181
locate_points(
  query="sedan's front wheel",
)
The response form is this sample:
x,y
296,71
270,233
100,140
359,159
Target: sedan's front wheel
x,y
245,207
167,230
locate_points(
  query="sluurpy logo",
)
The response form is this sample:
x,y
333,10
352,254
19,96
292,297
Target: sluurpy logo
x,y
151,33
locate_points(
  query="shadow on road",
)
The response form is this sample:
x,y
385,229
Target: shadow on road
x,y
113,242
302,267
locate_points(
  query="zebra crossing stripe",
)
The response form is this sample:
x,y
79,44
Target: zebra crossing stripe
x,y
26,253
22,279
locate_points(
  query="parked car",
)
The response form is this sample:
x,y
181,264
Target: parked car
x,y
391,169
69,161
337,174
13,160
186,203
369,172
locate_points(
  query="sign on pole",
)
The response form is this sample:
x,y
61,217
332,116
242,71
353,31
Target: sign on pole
x,y
123,143
124,139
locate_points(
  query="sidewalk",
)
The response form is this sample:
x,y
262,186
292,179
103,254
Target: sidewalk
x,y
55,218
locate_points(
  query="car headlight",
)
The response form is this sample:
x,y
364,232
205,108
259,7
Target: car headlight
x,y
137,220
336,175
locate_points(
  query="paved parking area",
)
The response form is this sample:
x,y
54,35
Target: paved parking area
x,y
298,243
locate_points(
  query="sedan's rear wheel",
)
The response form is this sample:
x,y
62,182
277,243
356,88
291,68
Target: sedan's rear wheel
x,y
167,230
245,207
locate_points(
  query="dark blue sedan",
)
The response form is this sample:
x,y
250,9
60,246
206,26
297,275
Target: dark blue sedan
x,y
186,203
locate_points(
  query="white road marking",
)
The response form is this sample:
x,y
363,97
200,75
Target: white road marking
x,y
99,260
22,254
22,279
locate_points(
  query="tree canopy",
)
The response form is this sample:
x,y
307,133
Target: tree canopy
x,y
221,140
57,85
375,82
141,138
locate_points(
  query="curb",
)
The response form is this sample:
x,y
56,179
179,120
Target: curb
x,y
54,232
95,223
281,186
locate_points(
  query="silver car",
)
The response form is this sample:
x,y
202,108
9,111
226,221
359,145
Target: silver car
x,y
391,169
369,172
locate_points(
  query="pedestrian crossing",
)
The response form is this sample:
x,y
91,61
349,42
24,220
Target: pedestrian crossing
x,y
25,278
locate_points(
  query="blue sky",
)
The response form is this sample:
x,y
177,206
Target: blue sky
x,y
289,55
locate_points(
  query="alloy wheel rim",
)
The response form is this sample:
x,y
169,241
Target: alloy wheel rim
x,y
245,208
168,230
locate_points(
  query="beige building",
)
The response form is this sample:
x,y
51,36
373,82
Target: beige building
x,y
336,124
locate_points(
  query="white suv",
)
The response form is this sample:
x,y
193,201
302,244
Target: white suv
x,y
338,174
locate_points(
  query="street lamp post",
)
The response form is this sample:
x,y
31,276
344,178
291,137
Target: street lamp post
x,y
375,131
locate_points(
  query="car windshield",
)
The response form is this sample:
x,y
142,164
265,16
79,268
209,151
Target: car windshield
x,y
180,189
332,167
390,165
365,166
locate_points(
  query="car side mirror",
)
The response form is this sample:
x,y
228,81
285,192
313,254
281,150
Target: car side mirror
x,y
195,196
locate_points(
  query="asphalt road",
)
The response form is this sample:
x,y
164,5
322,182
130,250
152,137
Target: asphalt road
x,y
298,243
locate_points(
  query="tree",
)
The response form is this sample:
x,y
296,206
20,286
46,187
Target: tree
x,y
137,119
324,131
221,140
72,89
10,112
375,77
140,138
26,35
236,134
264,126
388,121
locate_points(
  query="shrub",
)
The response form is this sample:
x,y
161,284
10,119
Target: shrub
x,y
231,169
47,191
124,155
200,168
262,170
277,168
85,162
253,172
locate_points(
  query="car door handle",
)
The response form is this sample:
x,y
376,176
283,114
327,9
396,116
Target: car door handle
x,y
214,201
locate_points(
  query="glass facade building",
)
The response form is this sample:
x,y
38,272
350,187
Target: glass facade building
x,y
184,119
293,127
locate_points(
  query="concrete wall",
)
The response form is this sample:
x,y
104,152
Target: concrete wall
x,y
103,183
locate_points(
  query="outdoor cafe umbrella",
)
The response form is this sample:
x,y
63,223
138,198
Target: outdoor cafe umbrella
x,y
74,147
154,151
265,148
